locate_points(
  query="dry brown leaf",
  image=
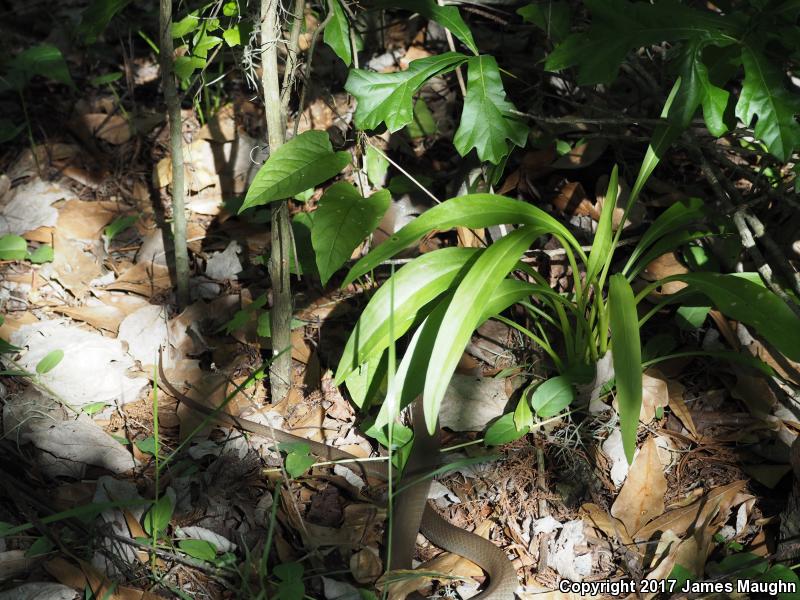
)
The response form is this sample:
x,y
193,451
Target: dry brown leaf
x,y
221,127
11,324
601,519
113,129
199,164
572,200
679,408
788,369
681,519
85,575
300,350
583,155
755,392
724,326
72,266
655,394
664,266
471,238
145,279
310,425
366,566
641,498
84,220
99,316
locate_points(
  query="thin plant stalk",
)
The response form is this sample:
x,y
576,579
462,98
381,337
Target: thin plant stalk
x,y
280,233
167,59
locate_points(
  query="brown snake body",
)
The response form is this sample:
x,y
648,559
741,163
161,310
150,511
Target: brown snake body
x,y
412,512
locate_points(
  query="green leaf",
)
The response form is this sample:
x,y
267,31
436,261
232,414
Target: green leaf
x,y
185,65
627,358
291,585
199,549
41,545
765,97
677,217
298,462
744,564
303,162
94,407
147,445
473,211
553,396
752,304
619,26
230,8
696,90
414,286
691,317
447,16
13,247
96,17
9,130
376,166
158,517
388,97
186,25
42,254
44,60
407,384
550,16
302,224
503,431
342,221
523,417
601,245
423,124
49,362
662,139
486,121
232,36
119,225
6,348
205,44
782,573
105,79
337,33
465,311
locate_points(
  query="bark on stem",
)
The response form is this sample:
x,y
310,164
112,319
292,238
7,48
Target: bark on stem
x,y
281,313
167,59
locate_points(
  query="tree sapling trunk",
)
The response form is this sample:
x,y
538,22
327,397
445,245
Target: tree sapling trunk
x,y
167,60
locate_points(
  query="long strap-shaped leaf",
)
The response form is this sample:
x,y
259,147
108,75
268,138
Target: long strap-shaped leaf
x,y
409,382
627,358
466,310
744,300
473,211
414,286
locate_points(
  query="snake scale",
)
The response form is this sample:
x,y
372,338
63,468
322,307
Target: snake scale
x,y
412,511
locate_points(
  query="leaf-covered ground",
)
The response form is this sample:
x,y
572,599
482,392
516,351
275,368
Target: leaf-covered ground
x,y
97,461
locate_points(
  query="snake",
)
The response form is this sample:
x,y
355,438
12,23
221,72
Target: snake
x,y
412,513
